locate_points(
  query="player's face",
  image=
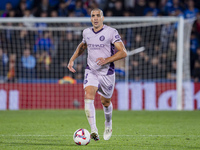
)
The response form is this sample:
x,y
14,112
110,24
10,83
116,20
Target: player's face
x,y
97,19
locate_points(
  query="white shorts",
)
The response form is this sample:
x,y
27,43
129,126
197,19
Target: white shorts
x,y
105,83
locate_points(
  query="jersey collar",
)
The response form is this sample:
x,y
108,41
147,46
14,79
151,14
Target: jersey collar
x,y
99,30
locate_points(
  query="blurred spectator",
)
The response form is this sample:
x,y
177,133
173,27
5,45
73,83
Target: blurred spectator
x,y
197,25
71,14
194,57
79,75
163,65
154,69
191,11
177,13
7,10
3,41
44,43
120,69
126,13
28,64
41,25
21,9
134,70
70,4
109,13
149,13
66,48
137,40
62,10
12,13
90,4
197,56
118,8
172,6
3,63
11,75
20,43
167,34
171,52
101,4
43,6
152,8
143,60
154,51
171,71
194,43
29,3
54,13
6,37
79,10
89,9
166,5
43,64
197,4
110,5
129,4
139,8
54,4
28,15
196,71
14,4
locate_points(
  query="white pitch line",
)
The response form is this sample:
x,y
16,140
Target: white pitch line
x,y
112,135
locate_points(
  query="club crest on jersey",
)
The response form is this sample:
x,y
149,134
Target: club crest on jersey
x,y
102,38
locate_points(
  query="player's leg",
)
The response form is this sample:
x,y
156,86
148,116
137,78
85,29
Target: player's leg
x,y
91,87
108,108
90,92
106,89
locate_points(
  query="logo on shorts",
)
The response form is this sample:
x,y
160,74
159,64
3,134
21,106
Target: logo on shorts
x,y
110,87
102,38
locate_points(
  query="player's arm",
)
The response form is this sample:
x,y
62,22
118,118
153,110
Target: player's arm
x,y
79,50
122,53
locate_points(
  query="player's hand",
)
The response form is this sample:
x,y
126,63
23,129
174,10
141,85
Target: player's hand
x,y
101,61
70,66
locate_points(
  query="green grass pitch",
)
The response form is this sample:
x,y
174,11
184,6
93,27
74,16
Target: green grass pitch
x,y
138,130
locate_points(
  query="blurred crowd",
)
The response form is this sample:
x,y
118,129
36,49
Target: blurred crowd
x,y
31,62
69,8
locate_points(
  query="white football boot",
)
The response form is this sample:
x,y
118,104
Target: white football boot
x,y
108,131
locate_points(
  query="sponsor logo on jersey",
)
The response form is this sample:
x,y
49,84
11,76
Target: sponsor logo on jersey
x,y
95,46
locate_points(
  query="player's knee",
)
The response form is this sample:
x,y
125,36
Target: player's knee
x,y
89,95
90,92
105,102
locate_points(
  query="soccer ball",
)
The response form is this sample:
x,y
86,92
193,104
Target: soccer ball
x,y
82,137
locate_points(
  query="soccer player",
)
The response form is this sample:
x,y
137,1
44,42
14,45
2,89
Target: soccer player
x,y
100,41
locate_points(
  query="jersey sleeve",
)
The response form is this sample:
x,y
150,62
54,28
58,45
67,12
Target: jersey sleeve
x,y
115,37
